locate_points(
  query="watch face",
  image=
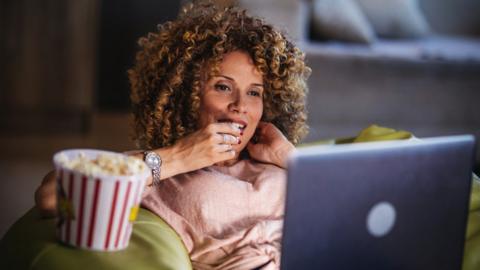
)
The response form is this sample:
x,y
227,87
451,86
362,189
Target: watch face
x,y
153,160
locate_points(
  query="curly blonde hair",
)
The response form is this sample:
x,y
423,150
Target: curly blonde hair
x,y
169,72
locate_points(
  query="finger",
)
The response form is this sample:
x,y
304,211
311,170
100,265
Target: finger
x,y
223,148
260,129
224,138
228,128
250,146
254,138
268,131
265,128
262,124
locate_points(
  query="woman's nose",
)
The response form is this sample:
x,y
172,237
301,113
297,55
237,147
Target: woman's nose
x,y
238,104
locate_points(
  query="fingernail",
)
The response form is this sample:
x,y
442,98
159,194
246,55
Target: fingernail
x,y
239,141
235,126
241,132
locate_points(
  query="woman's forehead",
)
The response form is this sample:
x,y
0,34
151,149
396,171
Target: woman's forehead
x,y
239,64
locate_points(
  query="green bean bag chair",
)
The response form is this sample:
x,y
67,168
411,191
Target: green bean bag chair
x,y
30,243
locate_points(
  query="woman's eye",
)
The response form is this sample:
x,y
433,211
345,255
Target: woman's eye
x,y
255,93
222,87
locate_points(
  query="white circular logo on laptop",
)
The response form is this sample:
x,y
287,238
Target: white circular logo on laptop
x,y
381,219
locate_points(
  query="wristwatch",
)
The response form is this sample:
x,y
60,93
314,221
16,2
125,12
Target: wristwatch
x,y
153,161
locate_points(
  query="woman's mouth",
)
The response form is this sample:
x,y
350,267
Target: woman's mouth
x,y
238,124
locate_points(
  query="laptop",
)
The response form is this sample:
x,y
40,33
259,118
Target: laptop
x,y
382,205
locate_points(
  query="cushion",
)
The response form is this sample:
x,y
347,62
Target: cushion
x,y
340,20
378,133
395,18
30,244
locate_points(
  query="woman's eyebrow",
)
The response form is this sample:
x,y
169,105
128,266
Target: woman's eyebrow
x,y
258,84
231,79
226,77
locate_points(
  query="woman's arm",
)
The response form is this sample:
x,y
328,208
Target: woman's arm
x,y
200,149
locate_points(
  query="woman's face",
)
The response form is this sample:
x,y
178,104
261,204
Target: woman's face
x,y
234,95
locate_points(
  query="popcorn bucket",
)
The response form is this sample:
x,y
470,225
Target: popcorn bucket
x,y
96,206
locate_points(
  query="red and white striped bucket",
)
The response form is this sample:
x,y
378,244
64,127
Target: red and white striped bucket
x,y
96,212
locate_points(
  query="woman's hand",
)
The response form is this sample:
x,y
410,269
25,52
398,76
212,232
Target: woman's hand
x,y
46,196
271,146
202,148
209,145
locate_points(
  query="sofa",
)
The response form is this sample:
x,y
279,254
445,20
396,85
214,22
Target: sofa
x,y
428,83
30,243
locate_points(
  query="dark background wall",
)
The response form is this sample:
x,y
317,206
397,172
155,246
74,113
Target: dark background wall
x,y
122,23
63,60
47,59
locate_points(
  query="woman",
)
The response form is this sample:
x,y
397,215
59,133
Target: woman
x,y
218,96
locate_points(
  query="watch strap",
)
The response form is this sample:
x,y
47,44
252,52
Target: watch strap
x,y
156,177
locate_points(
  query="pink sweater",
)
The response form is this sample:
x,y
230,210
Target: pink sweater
x,y
227,217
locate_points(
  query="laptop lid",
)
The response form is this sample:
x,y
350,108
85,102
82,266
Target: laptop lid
x,y
381,205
